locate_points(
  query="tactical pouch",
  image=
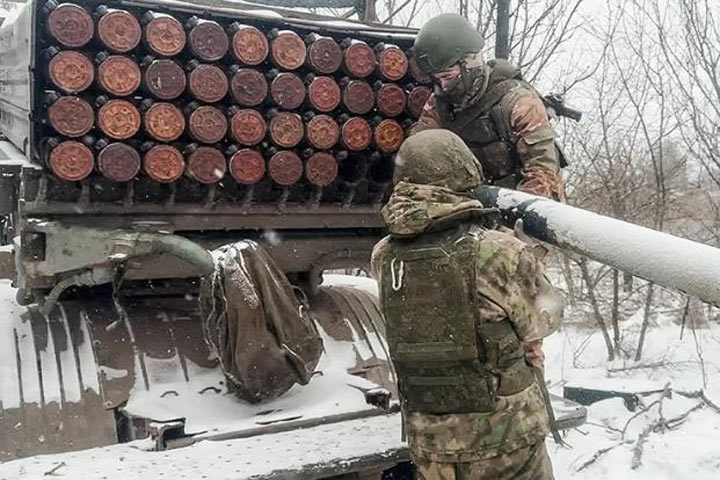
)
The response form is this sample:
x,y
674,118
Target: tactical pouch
x,y
428,297
502,354
448,388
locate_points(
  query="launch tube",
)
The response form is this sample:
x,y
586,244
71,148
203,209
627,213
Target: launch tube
x,y
658,257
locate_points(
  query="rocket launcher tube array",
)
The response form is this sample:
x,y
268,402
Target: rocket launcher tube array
x,y
120,79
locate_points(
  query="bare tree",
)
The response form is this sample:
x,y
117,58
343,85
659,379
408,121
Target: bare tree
x,y
626,161
539,29
688,34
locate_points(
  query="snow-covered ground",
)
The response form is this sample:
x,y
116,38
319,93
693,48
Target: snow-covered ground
x,y
607,446
615,443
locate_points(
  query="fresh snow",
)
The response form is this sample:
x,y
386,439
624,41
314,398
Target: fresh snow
x,y
362,283
331,393
254,457
9,385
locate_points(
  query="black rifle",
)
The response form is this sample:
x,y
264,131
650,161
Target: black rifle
x,y
555,103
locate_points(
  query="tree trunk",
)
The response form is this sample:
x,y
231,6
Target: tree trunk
x,y
502,40
646,320
569,281
616,310
596,309
370,12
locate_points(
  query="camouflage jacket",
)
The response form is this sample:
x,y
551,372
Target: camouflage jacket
x,y
518,116
510,286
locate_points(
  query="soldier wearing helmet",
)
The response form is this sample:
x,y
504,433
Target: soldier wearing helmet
x,y
500,116
460,298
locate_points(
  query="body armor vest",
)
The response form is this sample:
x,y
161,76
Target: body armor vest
x,y
484,125
446,358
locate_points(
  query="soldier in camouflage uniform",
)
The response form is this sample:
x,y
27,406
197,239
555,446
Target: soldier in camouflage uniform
x,y
488,104
460,298
500,117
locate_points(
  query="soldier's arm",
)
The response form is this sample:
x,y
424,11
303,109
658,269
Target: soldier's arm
x,y
536,146
510,274
428,118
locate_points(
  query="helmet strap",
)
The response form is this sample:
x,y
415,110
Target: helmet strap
x,y
467,81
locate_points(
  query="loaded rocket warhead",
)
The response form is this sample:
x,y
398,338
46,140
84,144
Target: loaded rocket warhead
x,y
118,75
323,93
287,90
358,96
118,30
324,55
163,121
355,133
205,165
286,129
322,132
247,126
321,169
71,116
358,58
248,87
70,71
285,168
206,124
392,62
207,83
70,24
118,161
416,101
249,45
207,39
164,35
247,166
287,50
164,163
70,160
118,119
391,99
389,135
164,78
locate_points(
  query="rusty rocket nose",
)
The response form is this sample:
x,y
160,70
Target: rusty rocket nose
x,y
247,166
71,25
119,31
164,163
119,162
71,161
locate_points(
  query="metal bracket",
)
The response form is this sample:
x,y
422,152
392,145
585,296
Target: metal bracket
x,y
162,432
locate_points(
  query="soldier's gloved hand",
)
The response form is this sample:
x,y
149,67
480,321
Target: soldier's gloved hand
x,y
536,247
519,232
534,355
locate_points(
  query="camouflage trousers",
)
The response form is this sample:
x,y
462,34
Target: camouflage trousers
x,y
531,463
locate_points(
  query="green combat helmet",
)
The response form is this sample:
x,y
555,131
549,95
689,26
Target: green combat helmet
x,y
444,41
438,157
